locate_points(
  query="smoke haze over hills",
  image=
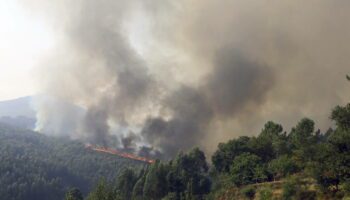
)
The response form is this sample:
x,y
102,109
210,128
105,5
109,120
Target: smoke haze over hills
x,y
170,75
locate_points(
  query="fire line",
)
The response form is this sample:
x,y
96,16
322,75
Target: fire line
x,y
119,153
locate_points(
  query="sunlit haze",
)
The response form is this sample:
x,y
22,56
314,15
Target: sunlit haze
x,y
24,40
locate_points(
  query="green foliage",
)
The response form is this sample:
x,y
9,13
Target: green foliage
x,y
190,169
220,183
331,164
346,187
170,196
36,167
262,147
282,166
155,186
74,194
223,157
274,155
137,193
265,193
270,143
303,142
341,116
185,177
125,183
244,168
104,191
271,129
248,192
301,135
291,188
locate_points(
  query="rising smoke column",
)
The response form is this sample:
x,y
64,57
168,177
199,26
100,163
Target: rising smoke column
x,y
190,115
194,73
234,83
98,69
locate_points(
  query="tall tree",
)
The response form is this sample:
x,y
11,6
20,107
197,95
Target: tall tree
x,y
103,191
125,183
74,194
244,168
303,141
156,186
341,116
223,157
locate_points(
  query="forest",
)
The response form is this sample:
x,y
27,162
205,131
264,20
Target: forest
x,y
37,167
304,163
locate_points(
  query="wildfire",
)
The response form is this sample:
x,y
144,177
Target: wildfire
x,y
119,153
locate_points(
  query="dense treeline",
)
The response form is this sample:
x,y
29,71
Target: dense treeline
x,y
34,166
185,177
271,156
37,167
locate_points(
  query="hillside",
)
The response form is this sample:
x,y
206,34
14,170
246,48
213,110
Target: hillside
x,y
35,167
302,164
18,112
306,189
17,107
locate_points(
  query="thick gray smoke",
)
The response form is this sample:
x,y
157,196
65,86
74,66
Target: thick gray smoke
x,y
169,75
190,115
98,69
234,83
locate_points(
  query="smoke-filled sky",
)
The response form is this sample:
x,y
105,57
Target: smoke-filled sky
x,y
170,75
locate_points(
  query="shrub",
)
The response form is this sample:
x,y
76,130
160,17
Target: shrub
x,y
290,189
307,195
265,194
346,188
248,192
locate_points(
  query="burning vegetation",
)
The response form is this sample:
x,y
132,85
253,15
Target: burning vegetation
x,y
119,153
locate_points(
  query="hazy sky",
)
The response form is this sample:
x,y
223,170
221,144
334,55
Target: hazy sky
x,y
24,41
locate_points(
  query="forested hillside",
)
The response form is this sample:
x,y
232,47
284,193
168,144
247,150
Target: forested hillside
x,y
36,167
303,163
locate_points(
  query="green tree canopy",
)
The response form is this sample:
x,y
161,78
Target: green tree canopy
x,y
223,157
74,194
341,116
244,167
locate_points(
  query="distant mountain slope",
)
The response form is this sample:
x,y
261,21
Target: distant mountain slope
x,y
37,167
21,113
20,122
17,107
18,112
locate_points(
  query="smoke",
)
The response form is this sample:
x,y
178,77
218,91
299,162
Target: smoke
x,y
236,82
190,113
97,68
233,84
129,142
64,117
164,76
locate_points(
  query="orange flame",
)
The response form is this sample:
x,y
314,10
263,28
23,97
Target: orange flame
x,y
119,153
